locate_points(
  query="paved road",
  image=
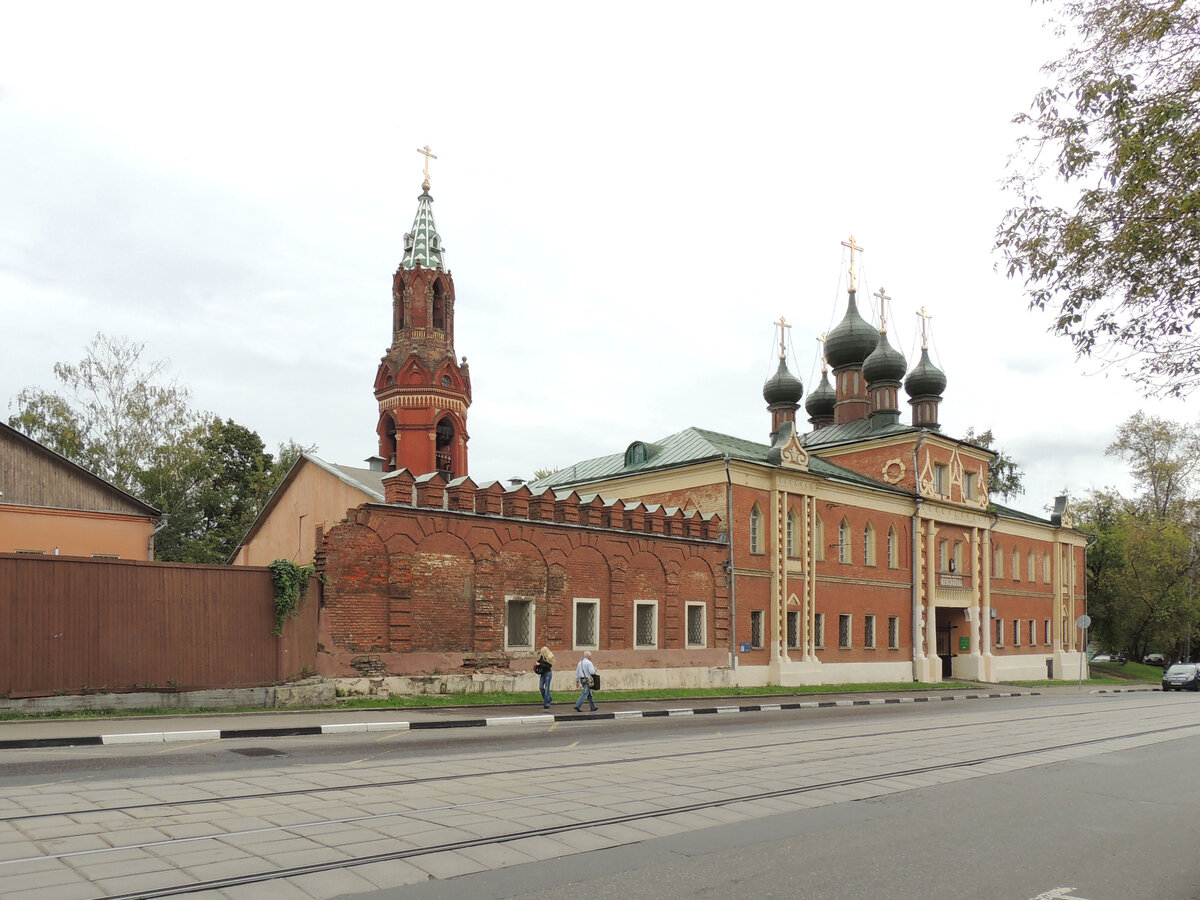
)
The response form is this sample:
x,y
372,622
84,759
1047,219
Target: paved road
x,y
412,813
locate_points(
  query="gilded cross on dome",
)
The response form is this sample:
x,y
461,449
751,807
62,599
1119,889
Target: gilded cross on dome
x,y
853,246
925,317
781,325
428,154
821,341
883,298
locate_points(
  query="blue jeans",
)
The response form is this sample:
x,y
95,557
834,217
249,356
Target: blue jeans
x,y
544,687
586,695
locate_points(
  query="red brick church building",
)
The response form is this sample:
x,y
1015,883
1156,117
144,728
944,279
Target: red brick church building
x,y
854,547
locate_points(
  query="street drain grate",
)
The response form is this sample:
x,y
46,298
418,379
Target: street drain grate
x,y
258,751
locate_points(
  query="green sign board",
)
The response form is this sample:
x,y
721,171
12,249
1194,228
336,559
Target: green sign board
x,y
964,643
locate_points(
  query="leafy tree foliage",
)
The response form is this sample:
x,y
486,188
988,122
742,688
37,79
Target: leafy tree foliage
x,y
116,412
1005,478
1117,130
120,417
1164,458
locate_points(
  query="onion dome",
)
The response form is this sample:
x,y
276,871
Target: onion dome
x,y
783,386
852,340
822,400
926,379
885,362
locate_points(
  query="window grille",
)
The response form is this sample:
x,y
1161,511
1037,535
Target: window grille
x,y
893,632
646,625
819,630
793,629
843,631
520,623
587,623
756,629
869,631
696,635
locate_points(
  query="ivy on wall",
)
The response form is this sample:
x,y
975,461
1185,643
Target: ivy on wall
x,y
290,581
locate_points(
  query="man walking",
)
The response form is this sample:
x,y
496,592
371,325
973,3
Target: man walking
x,y
583,676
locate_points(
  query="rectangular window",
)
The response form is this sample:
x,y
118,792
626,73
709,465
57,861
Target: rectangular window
x,y
645,625
844,631
793,625
869,632
1046,630
1032,631
791,534
893,632
755,531
999,632
697,633
1046,568
819,630
943,556
969,485
958,556
518,621
939,478
756,629
1016,632
587,624
893,549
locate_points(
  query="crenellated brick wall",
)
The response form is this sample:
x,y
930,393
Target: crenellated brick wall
x,y
423,580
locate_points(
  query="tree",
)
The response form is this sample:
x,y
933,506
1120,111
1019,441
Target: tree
x,y
1163,457
1005,478
1120,123
116,414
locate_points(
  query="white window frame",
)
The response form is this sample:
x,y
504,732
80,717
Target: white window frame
x,y
793,615
893,632
999,632
638,604
687,624
593,602
893,548
792,520
845,550
760,617
940,473
1016,632
869,632
869,545
1032,631
509,600
819,630
845,635
755,529
968,485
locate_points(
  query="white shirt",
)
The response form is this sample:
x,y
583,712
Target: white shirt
x,y
585,669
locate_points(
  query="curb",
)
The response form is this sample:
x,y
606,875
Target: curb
x,y
158,737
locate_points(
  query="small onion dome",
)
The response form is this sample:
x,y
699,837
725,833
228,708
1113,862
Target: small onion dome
x,y
885,362
852,340
783,386
821,401
926,379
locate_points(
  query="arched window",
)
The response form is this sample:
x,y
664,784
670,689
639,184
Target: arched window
x,y
791,532
439,305
998,561
756,530
893,548
445,448
819,537
1031,566
869,545
844,542
1016,561
1046,568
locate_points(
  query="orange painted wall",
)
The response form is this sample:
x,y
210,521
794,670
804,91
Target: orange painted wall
x,y
74,532
314,498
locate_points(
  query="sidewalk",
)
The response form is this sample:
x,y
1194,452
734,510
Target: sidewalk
x,y
284,723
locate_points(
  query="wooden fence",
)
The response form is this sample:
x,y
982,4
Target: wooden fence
x,y
71,625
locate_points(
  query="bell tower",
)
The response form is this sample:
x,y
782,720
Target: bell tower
x,y
423,392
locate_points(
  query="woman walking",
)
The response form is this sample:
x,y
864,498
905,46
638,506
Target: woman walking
x,y
544,667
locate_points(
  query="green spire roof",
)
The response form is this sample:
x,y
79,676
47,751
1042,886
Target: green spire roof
x,y
422,245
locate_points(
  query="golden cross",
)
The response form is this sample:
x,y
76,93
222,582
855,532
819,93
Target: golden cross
x,y
883,297
853,246
428,154
925,317
781,325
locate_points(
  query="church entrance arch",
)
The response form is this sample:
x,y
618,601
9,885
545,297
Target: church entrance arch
x,y
945,639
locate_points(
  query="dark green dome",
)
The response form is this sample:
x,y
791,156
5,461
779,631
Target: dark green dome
x,y
822,400
852,340
926,379
783,386
885,362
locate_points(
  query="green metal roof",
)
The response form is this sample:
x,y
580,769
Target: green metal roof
x,y
422,245
687,447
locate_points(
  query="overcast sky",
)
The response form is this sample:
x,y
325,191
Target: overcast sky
x,y
629,195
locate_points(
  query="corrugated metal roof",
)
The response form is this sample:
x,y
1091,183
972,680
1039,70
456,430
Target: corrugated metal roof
x,y
690,446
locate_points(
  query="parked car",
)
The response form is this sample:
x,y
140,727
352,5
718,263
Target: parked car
x,y
1102,657
1155,659
1182,676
